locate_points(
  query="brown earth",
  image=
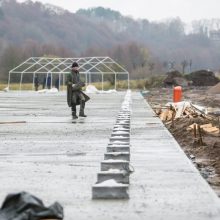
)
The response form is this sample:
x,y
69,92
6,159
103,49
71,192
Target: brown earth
x,y
215,89
205,155
175,78
202,78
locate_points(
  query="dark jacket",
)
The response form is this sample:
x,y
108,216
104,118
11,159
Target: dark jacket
x,y
75,95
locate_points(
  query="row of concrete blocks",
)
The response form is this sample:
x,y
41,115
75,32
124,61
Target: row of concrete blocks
x,y
113,179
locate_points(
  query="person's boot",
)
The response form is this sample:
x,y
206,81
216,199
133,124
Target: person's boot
x,y
81,111
74,116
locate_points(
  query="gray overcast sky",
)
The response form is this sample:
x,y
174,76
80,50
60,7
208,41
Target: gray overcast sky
x,y
187,10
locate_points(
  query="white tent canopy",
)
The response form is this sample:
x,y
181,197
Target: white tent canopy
x,y
62,66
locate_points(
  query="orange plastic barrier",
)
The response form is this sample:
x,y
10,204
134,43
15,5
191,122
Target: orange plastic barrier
x,y
177,94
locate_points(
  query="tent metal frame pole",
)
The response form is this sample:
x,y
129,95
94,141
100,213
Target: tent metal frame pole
x,y
31,58
46,81
59,81
33,81
128,82
51,81
86,80
115,81
102,82
9,79
21,78
63,81
90,78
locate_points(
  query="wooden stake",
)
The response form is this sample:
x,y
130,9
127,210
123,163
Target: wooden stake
x,y
219,124
200,135
173,116
194,130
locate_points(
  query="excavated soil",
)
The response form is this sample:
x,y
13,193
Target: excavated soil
x,y
205,155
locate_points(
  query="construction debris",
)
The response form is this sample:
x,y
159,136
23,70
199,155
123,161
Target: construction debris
x,y
188,110
206,128
12,122
24,206
181,109
195,127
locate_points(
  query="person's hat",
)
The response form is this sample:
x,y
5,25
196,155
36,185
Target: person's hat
x,y
75,64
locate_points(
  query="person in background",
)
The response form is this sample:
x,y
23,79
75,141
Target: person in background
x,y
36,82
44,83
49,81
75,96
57,83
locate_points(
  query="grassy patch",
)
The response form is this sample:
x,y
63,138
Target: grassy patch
x,y
140,84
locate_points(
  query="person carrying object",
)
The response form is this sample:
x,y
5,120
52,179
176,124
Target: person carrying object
x,y
75,96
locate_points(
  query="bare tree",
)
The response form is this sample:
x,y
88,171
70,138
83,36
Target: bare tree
x,y
151,66
190,66
184,64
165,65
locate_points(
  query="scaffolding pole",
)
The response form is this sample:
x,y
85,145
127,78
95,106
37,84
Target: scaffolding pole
x,y
102,82
9,78
21,80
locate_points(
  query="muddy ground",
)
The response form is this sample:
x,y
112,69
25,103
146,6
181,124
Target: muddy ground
x,y
205,156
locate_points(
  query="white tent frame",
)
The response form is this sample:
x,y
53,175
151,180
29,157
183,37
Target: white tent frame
x,y
62,66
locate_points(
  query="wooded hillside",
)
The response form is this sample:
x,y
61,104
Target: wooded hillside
x,y
143,47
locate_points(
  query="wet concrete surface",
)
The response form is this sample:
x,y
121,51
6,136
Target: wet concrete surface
x,y
57,160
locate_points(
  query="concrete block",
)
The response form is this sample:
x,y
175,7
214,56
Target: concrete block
x,y
116,142
119,177
114,164
118,134
121,127
124,112
116,129
119,138
106,191
123,117
117,156
119,148
122,122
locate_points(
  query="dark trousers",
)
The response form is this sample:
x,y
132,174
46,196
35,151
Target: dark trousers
x,y
82,107
73,109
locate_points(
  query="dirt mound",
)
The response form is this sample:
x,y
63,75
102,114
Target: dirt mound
x,y
203,78
175,78
215,89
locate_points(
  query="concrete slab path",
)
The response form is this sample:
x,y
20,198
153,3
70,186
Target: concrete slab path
x,y
59,161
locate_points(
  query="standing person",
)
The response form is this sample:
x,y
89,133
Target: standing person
x,y
57,83
44,83
75,96
36,82
49,81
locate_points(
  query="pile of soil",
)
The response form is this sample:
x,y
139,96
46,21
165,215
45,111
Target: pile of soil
x,y
175,78
215,89
203,78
